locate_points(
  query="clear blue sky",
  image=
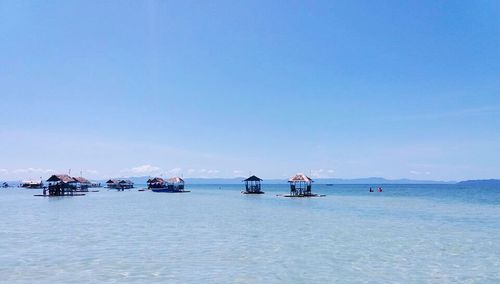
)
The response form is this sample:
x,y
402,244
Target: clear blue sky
x,y
223,88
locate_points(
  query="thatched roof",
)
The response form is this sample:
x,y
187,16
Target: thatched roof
x,y
117,181
300,178
61,178
253,178
175,180
81,180
156,180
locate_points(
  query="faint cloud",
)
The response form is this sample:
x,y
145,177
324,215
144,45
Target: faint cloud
x,y
237,172
143,170
209,171
322,173
33,171
419,173
175,171
203,173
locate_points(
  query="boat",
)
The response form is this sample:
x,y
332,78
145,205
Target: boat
x,y
33,184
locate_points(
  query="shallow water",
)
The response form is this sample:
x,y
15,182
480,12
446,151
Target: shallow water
x,y
407,234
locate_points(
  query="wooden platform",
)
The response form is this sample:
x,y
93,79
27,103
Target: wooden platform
x,y
170,191
41,195
302,196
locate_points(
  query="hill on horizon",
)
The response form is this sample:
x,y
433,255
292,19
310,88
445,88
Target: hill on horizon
x,y
238,180
481,182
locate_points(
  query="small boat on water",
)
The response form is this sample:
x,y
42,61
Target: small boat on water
x,y
172,185
33,184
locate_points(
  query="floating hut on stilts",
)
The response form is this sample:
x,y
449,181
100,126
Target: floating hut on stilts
x,y
81,184
61,185
156,182
300,186
175,184
253,186
120,184
172,185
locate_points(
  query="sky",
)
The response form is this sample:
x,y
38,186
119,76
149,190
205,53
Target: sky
x,y
344,89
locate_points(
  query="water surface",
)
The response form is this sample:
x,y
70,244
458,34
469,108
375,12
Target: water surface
x,y
407,234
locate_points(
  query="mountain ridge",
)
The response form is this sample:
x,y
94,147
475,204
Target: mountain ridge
x,y
238,180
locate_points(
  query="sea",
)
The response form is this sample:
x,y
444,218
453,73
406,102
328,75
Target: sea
x,y
215,234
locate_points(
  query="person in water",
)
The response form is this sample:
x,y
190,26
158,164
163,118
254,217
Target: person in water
x,y
371,189
379,189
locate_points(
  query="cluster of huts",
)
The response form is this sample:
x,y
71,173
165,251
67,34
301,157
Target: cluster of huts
x,y
120,184
175,184
62,185
300,186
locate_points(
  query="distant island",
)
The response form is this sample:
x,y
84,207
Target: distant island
x,y
332,181
238,180
481,182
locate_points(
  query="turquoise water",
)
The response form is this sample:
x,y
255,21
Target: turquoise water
x,y
407,234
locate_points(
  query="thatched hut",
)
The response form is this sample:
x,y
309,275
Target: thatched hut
x,y
252,185
119,184
300,186
113,183
175,184
81,184
126,184
61,185
156,182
